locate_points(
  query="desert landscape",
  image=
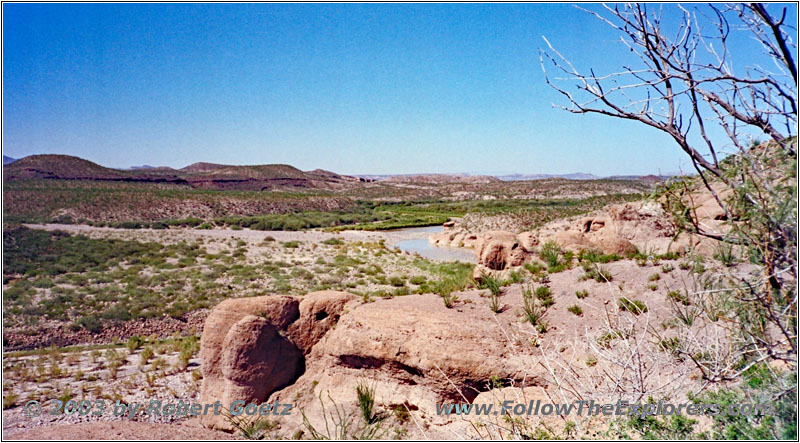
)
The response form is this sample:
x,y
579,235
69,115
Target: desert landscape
x,y
150,302
562,280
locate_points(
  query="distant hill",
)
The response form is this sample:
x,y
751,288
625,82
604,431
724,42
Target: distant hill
x,y
198,175
67,167
8,160
573,176
202,167
441,178
468,178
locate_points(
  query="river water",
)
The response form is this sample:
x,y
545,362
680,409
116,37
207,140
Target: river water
x,y
419,244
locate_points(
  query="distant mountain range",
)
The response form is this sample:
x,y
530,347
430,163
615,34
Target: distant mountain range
x,y
248,177
573,176
198,175
469,178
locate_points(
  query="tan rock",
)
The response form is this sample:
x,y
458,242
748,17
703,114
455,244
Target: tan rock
x,y
279,311
614,244
409,349
571,240
528,240
498,250
319,312
256,361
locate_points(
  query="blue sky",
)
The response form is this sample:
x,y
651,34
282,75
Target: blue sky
x,y
357,89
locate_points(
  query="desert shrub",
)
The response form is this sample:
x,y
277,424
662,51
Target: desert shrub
x,y
146,355
91,323
445,290
545,296
366,401
494,303
333,242
597,273
490,283
134,343
592,256
575,309
631,305
549,253
417,280
533,310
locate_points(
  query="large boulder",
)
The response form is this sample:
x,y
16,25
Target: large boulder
x,y
499,250
256,360
278,311
253,346
412,351
614,244
319,312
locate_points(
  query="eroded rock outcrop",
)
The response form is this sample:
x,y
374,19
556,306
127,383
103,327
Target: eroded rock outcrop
x,y
617,229
499,250
407,347
413,351
453,237
251,347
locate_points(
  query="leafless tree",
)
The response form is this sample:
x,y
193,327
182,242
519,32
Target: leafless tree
x,y
688,81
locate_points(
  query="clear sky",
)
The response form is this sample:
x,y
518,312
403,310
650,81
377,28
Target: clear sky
x,y
357,89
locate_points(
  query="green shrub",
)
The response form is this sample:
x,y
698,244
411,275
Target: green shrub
x,y
134,343
597,257
575,309
597,273
490,283
533,311
91,323
631,305
549,253
417,280
545,295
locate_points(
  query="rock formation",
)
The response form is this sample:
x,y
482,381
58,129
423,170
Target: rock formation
x,y
251,347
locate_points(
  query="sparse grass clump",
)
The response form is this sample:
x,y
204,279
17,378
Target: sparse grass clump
x,y
134,343
597,273
679,297
581,294
633,306
549,253
597,257
366,401
490,283
533,310
545,296
575,309
445,290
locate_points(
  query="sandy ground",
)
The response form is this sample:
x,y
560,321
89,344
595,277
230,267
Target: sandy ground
x,y
168,235
190,429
